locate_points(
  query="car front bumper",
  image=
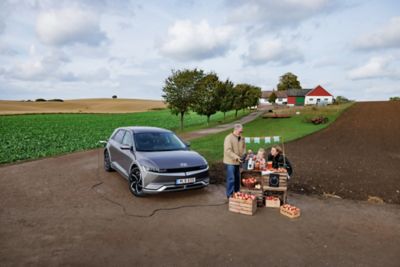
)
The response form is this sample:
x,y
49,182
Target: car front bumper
x,y
166,182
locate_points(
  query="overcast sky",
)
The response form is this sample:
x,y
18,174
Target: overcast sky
x,y
97,48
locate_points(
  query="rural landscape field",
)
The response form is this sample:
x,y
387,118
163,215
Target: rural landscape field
x,y
79,106
200,133
95,197
51,134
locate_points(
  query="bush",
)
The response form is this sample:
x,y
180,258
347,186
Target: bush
x,y
341,99
395,98
40,100
55,100
114,97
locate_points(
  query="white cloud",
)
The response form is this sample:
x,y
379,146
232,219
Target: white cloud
x,y
196,41
376,67
51,67
36,67
277,13
69,26
274,51
386,37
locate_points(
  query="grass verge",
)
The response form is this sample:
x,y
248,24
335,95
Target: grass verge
x,y
211,147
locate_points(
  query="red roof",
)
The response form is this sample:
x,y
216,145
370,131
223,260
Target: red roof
x,y
319,91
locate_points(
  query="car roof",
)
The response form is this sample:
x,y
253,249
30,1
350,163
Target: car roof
x,y
145,129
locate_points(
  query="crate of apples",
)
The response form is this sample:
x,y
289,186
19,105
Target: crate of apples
x,y
243,196
290,211
243,203
249,182
272,202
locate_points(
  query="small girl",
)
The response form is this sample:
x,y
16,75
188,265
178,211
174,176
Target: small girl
x,y
260,159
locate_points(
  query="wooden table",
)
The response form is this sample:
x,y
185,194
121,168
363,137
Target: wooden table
x,y
283,178
263,177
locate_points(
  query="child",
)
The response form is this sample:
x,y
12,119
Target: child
x,y
260,159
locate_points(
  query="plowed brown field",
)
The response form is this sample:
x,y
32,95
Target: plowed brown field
x,y
356,157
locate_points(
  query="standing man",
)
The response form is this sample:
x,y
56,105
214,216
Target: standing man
x,y
234,149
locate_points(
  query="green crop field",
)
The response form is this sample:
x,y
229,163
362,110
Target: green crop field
x,y
211,147
34,136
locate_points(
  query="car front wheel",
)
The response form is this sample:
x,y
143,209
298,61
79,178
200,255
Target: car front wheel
x,y
107,161
136,182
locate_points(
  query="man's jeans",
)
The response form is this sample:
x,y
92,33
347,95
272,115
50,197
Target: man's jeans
x,y
232,179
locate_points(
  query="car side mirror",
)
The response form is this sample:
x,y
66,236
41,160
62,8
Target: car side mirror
x,y
187,144
126,147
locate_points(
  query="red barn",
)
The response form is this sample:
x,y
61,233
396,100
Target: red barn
x,y
318,96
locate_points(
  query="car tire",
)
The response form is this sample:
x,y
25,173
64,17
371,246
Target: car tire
x,y
107,162
136,182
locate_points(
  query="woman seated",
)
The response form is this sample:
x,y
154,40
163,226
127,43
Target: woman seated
x,y
279,160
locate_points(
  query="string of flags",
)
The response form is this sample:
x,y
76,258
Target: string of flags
x,y
267,139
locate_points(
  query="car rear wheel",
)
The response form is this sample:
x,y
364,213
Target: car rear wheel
x,y
107,161
136,182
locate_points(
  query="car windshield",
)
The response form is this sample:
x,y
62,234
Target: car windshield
x,y
158,142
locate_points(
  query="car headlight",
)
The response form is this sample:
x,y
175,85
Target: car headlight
x,y
151,169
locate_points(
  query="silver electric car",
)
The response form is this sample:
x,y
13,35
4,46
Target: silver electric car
x,y
154,160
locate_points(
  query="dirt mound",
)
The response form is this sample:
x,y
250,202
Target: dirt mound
x,y
357,157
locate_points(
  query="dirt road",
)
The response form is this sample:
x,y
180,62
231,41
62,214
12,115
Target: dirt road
x,y
67,211
221,128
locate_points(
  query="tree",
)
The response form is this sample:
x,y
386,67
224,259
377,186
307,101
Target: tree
x,y
178,91
288,81
253,94
206,101
239,97
225,96
114,97
394,98
245,96
272,97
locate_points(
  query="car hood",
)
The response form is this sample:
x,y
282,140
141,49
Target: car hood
x,y
171,159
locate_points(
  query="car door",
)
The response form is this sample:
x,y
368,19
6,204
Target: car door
x,y
126,155
114,148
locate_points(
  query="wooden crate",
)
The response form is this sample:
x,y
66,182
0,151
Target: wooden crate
x,y
282,180
256,192
272,202
290,211
247,207
278,192
255,174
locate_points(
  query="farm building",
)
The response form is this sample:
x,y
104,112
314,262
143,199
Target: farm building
x,y
281,97
318,96
296,97
299,97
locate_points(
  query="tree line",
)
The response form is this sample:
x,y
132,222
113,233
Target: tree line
x,y
204,93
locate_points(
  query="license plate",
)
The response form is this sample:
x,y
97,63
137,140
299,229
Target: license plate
x,y
185,181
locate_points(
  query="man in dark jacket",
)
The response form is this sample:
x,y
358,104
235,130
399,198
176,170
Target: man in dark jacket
x,y
279,160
